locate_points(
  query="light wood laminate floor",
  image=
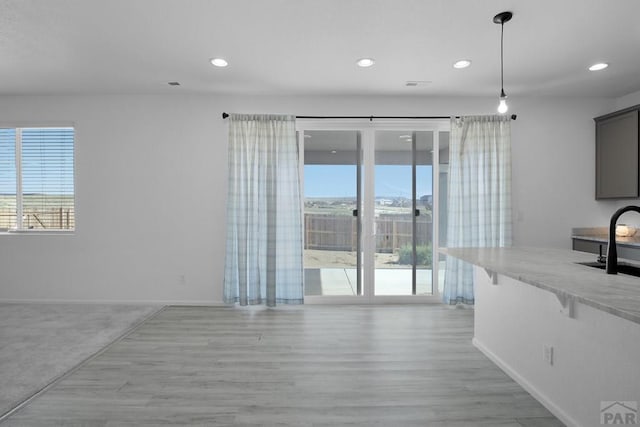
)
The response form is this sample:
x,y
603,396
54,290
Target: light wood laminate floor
x,y
410,365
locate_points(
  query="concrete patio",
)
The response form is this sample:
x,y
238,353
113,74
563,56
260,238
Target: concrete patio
x,y
342,281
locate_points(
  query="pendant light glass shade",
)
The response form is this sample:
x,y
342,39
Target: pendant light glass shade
x,y
502,106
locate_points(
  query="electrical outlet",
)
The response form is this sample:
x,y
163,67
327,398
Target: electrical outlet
x,y
547,353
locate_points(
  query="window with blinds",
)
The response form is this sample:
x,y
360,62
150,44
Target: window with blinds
x,y
37,178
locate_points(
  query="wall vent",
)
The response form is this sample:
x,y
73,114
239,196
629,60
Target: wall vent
x,y
414,83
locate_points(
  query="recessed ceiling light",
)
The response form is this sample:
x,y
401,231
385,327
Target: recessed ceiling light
x,y
463,63
365,62
599,66
219,62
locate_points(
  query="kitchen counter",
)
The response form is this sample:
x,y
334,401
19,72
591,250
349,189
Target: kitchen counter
x,y
567,333
601,235
556,271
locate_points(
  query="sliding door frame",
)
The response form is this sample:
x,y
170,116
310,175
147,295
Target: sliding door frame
x,y
367,129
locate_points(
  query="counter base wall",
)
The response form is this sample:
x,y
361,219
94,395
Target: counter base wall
x,y
595,355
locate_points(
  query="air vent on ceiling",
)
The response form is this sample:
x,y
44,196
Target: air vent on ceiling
x,y
414,83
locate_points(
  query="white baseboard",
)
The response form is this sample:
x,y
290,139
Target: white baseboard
x,y
115,302
537,394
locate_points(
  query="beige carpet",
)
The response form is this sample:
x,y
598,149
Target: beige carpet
x,y
41,342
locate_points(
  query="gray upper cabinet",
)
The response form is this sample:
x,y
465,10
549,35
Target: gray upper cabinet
x,y
617,163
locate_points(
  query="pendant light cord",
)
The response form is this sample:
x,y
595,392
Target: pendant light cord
x,y
502,57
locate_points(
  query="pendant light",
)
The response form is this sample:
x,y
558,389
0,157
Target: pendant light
x,y
501,18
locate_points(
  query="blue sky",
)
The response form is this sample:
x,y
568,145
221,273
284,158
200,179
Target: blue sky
x,y
47,161
339,181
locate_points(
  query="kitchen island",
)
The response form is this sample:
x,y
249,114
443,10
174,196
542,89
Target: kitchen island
x,y
568,333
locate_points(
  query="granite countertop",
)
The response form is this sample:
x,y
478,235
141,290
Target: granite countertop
x,y
601,235
556,271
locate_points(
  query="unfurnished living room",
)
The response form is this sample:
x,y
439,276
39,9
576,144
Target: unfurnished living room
x,y
319,213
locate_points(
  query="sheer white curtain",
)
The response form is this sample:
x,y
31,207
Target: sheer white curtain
x,y
264,219
479,205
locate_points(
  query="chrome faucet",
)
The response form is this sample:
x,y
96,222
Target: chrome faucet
x,y
612,252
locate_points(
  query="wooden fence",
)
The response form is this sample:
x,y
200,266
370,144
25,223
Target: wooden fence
x,y
54,218
339,232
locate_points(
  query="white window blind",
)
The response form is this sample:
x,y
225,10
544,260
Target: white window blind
x,y
37,179
7,179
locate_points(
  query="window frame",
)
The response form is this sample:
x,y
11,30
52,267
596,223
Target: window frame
x,y
18,127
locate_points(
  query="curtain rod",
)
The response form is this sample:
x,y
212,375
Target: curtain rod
x,y
513,117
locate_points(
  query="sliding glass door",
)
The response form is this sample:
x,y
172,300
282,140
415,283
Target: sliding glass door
x,y
403,212
372,210
332,197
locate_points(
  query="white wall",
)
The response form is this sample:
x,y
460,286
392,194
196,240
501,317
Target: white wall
x,y
150,186
628,100
553,144
149,200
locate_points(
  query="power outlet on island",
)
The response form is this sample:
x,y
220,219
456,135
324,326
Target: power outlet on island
x,y
547,354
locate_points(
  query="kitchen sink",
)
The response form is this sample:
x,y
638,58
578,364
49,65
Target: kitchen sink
x,y
623,267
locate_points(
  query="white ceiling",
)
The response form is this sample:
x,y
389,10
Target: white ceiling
x,y
310,46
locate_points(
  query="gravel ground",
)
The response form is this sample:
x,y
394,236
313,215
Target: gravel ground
x,y
339,259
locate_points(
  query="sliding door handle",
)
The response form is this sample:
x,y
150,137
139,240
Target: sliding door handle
x,y
355,212
417,212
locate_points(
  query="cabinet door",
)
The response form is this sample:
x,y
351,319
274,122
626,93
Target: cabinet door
x,y
617,156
